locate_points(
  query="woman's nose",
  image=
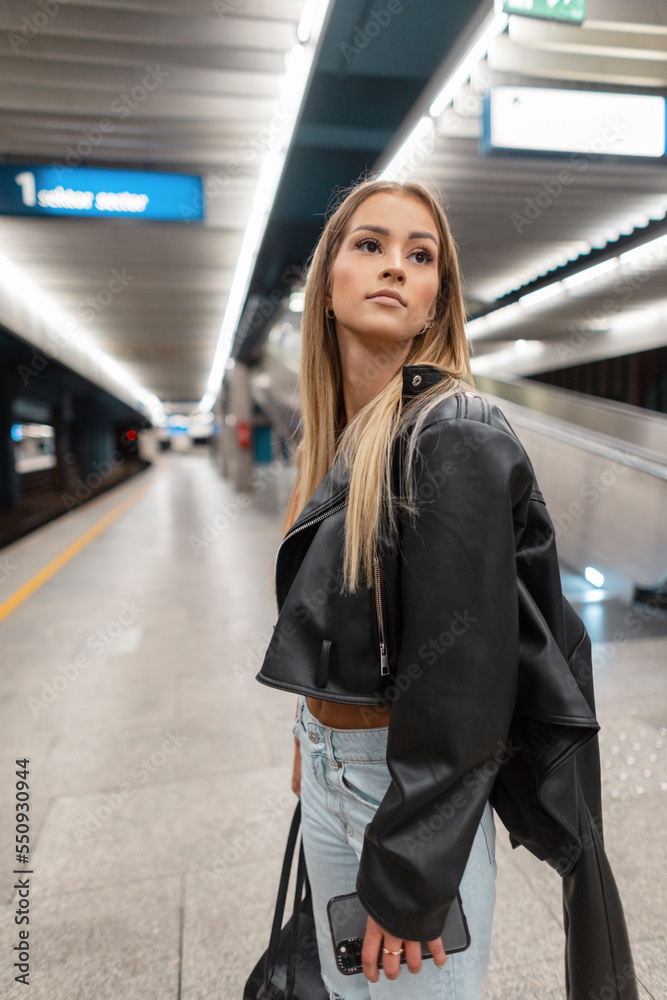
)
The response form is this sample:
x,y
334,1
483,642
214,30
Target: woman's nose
x,y
396,272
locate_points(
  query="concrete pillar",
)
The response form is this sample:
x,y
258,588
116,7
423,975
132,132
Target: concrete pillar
x,y
240,406
218,453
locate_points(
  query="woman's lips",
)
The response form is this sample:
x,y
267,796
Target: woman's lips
x,y
386,299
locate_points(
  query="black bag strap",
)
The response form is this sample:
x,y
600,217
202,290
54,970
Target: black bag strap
x,y
301,878
274,940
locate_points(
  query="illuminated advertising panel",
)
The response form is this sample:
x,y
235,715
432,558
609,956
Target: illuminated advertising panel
x,y
546,119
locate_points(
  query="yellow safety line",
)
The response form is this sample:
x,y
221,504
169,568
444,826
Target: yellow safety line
x,y
44,574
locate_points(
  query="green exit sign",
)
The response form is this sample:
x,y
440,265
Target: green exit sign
x,y
573,11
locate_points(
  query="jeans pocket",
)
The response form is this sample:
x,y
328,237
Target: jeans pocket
x,y
489,830
367,781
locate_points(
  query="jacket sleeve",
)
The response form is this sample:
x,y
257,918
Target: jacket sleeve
x,y
456,673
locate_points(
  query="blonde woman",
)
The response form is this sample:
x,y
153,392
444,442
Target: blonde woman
x,y
397,588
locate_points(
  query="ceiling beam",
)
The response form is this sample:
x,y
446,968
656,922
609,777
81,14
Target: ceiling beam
x,y
505,57
586,40
621,15
168,29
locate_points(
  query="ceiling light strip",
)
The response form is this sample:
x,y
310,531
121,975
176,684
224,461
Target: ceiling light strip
x,y
292,92
421,138
655,248
477,51
62,338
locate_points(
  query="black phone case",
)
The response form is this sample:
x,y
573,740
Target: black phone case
x,y
347,920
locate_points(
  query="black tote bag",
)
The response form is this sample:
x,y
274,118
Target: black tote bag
x,y
290,967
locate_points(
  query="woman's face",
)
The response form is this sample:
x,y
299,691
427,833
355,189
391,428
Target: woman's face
x,y
384,281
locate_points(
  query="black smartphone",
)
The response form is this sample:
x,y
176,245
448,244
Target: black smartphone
x,y
347,920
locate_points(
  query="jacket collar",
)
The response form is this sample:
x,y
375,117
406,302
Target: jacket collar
x,y
333,488
418,378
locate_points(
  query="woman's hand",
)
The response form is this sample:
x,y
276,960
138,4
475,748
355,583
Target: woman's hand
x,y
296,772
376,939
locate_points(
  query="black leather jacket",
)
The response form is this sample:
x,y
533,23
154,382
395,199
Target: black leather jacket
x,y
466,633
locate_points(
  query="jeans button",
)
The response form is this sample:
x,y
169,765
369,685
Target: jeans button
x,y
313,737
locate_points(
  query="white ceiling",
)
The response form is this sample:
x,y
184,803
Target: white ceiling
x,y
218,69
621,46
220,65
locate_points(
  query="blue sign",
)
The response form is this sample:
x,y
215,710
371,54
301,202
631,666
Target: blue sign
x,y
99,194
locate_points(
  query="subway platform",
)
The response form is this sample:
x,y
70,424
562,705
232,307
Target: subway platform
x,y
160,770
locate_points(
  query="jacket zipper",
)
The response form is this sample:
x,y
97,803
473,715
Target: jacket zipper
x,y
384,655
295,531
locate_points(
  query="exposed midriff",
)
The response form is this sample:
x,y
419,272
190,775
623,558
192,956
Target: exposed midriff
x,y
340,716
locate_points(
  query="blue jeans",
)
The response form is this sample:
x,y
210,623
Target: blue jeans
x,y
344,776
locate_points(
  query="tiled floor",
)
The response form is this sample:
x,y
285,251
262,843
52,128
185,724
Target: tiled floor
x,y
160,769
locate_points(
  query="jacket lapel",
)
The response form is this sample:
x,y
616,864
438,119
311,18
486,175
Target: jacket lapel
x,y
330,492
334,486
333,489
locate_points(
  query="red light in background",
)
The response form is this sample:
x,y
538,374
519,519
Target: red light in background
x,y
243,434
131,435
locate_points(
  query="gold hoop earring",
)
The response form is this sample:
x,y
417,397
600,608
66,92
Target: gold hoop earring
x,y
329,313
425,329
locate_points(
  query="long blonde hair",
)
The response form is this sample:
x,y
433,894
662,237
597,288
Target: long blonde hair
x,y
366,441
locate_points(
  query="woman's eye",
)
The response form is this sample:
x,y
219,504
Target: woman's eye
x,y
367,243
425,256
370,245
